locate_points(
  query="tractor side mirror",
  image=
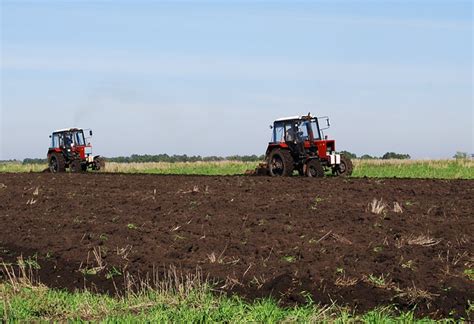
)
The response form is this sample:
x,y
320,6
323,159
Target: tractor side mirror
x,y
90,132
271,126
50,136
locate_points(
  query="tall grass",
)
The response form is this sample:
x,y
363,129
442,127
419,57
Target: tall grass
x,y
440,169
196,168
43,304
16,167
180,299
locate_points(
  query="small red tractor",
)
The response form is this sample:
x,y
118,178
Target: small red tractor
x,y
69,150
298,143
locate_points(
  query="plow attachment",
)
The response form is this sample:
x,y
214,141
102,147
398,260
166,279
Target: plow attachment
x,y
260,170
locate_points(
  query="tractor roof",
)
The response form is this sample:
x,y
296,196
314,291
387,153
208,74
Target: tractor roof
x,y
68,130
291,118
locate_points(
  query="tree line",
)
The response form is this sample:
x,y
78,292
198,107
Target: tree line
x,y
386,156
137,158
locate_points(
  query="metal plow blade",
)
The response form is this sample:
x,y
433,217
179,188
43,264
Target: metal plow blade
x,y
260,170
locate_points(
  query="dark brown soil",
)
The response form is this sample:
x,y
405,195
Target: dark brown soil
x,y
256,236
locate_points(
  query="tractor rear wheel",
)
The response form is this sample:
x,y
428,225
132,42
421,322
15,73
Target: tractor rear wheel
x,y
314,169
57,163
345,168
280,163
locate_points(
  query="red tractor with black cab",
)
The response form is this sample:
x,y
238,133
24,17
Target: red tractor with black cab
x,y
298,143
70,150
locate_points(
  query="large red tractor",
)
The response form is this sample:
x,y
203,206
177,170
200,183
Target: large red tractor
x,y
298,143
69,150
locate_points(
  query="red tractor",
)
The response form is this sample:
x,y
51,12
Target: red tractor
x,y
69,150
298,143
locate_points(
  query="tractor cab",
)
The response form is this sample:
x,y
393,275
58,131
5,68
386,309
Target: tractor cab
x,y
71,149
295,128
73,137
303,136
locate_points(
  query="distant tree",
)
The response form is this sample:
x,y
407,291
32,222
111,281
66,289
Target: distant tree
x,y
34,161
461,155
398,156
349,154
367,157
10,161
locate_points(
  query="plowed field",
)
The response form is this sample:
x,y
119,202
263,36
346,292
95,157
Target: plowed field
x,y
290,238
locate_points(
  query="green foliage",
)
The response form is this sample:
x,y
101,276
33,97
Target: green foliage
x,y
372,168
367,157
461,155
35,161
377,280
19,167
289,258
113,272
469,273
434,169
31,262
195,168
197,306
397,156
349,154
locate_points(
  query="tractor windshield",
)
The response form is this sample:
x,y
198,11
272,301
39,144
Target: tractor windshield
x,y
79,138
307,126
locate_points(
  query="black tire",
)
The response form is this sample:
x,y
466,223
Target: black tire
x,y
301,171
314,169
57,163
75,166
99,164
345,168
280,163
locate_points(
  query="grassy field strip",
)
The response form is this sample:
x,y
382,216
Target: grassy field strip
x,y
177,298
441,169
19,167
41,303
198,168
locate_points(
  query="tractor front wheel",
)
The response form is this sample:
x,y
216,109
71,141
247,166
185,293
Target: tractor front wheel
x,y
314,169
280,163
75,166
57,163
345,168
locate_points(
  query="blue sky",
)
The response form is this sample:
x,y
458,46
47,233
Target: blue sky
x,y
207,78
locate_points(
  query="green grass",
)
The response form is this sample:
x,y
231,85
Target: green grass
x,y
32,303
438,169
175,298
441,169
187,168
12,167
